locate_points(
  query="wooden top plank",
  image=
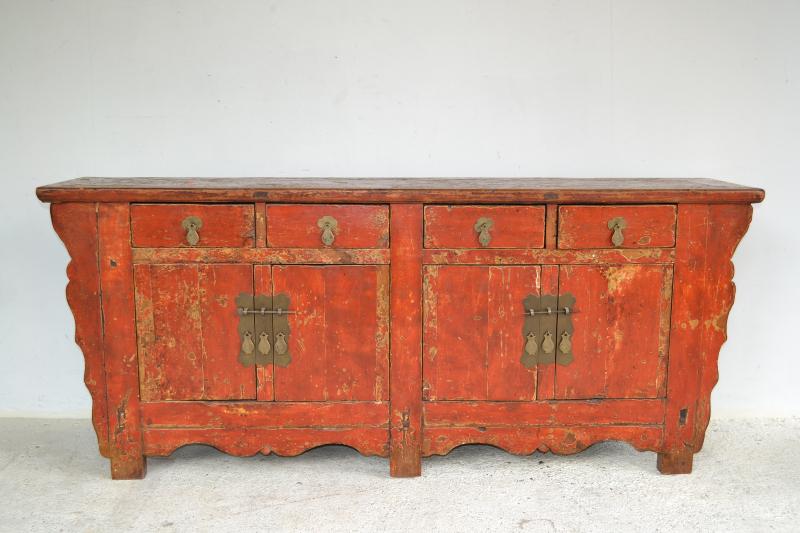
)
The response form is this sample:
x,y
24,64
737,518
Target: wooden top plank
x,y
398,190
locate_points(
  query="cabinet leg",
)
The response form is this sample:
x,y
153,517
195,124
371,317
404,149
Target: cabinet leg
x,y
405,459
678,462
128,467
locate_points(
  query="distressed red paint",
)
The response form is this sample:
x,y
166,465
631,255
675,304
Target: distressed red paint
x,y
379,362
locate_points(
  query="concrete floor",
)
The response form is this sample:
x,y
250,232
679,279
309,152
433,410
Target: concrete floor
x,y
746,479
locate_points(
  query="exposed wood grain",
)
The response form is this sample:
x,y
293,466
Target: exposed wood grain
x,y
119,342
519,226
277,256
619,342
161,225
586,226
76,225
544,413
357,226
401,190
546,257
261,225
264,415
339,334
525,440
551,227
284,442
406,341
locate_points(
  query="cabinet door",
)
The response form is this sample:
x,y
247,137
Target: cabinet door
x,y
185,316
473,332
619,333
338,334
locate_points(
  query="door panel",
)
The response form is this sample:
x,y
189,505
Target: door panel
x,y
339,335
186,324
619,332
473,332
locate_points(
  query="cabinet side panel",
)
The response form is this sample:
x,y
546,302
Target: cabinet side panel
x,y
119,342
703,296
76,226
406,340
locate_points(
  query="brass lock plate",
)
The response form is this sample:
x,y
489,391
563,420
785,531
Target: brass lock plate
x,y
547,329
264,329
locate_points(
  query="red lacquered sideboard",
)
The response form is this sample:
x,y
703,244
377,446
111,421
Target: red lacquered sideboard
x,y
401,317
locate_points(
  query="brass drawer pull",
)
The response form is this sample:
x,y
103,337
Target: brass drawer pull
x,y
328,225
616,225
482,227
192,225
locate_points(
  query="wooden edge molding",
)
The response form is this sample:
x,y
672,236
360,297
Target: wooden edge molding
x,y
526,440
367,441
76,226
264,415
276,256
542,413
547,256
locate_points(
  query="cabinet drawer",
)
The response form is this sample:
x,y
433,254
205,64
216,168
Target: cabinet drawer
x,y
616,226
512,226
328,226
192,225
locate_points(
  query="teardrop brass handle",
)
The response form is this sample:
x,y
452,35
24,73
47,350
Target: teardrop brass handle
x,y
263,343
328,225
192,226
280,343
566,343
547,343
247,343
616,225
482,227
531,348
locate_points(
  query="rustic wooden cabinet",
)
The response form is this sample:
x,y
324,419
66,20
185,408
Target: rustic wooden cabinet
x,y
402,318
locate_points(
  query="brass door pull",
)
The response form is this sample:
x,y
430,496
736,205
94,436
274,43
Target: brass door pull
x,y
566,343
547,344
482,227
616,225
192,225
247,343
328,225
281,347
531,349
263,344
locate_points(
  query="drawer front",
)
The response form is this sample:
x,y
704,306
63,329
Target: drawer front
x,y
192,225
616,226
328,226
512,226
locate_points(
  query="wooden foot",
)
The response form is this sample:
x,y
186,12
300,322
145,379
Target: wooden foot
x,y
405,462
679,462
128,467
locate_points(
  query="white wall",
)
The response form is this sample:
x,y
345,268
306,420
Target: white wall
x,y
416,88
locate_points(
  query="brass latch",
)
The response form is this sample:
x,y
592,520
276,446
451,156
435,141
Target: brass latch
x,y
547,318
264,318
